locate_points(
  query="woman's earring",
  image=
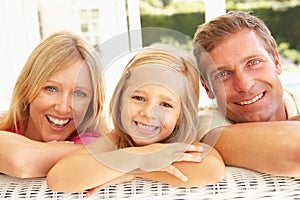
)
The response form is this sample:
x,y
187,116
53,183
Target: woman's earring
x,y
127,74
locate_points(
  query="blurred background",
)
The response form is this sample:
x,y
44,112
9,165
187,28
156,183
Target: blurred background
x,y
24,23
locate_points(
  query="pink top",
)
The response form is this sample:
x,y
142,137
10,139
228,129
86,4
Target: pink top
x,y
85,138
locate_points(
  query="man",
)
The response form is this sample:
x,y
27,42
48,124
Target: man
x,y
239,64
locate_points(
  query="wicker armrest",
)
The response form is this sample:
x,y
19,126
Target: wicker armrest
x,y
238,183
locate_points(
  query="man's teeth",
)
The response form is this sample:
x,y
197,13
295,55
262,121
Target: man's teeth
x,y
58,121
251,100
147,128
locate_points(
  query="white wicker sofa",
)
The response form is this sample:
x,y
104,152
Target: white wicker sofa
x,y
238,184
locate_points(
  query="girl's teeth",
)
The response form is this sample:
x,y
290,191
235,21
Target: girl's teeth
x,y
147,128
57,121
251,100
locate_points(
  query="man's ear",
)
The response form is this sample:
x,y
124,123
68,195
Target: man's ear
x,y
208,92
277,62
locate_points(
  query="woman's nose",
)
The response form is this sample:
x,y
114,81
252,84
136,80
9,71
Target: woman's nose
x,y
64,104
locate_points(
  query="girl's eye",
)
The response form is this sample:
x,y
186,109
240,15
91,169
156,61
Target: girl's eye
x,y
138,98
164,104
79,94
50,89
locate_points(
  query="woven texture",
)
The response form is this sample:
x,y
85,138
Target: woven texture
x,y
238,184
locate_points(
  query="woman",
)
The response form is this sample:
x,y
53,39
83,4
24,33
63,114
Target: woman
x,y
58,96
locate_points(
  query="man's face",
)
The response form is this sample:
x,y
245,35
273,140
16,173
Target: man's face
x,y
244,79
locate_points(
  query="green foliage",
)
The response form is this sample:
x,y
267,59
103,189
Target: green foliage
x,y
170,7
285,50
258,4
177,22
280,16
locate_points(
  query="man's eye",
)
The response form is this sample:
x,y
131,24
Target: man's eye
x,y
50,89
79,94
221,74
254,62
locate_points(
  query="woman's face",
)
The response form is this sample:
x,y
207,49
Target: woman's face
x,y
61,104
150,113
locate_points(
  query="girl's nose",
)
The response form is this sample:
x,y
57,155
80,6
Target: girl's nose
x,y
152,112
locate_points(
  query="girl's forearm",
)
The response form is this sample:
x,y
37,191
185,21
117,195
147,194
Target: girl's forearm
x,y
79,171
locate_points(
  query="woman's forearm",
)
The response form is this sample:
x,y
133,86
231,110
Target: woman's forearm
x,y
24,158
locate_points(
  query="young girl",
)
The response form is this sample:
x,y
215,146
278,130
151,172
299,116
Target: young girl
x,y
154,112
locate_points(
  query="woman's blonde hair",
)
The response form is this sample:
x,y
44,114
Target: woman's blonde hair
x,y
189,93
54,53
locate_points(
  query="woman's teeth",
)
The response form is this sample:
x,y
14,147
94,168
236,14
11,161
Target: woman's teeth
x,y
58,121
251,100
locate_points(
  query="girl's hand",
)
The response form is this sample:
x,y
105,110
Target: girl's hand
x,y
154,157
158,156
175,152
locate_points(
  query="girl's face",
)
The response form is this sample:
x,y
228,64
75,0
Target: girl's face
x,y
150,113
61,104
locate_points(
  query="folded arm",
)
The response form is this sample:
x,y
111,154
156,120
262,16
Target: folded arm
x,y
210,170
24,158
101,171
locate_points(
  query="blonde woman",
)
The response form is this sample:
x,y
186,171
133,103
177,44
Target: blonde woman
x,y
58,96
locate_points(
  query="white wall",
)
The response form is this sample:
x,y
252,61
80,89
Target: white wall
x,y
20,30
19,34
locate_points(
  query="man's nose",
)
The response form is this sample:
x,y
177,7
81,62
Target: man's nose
x,y
243,81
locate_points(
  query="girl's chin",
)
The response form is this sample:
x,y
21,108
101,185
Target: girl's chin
x,y
141,142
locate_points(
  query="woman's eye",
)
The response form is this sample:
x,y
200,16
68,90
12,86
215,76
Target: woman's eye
x,y
79,94
50,89
138,98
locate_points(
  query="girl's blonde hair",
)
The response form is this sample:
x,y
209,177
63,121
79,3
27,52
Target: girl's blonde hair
x,y
56,52
189,93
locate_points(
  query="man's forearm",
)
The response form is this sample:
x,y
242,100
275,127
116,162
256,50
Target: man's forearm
x,y
270,147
